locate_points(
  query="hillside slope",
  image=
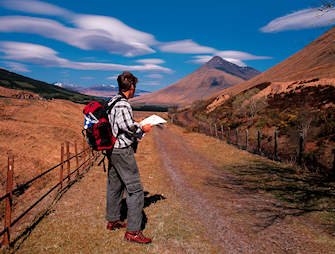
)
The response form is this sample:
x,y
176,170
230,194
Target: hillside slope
x,y
34,130
316,60
15,81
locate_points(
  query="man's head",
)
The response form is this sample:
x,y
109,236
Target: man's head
x,y
127,83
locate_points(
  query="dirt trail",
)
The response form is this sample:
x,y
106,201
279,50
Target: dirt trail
x,y
241,220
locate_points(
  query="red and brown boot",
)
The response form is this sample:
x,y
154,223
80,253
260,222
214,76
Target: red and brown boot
x,y
137,237
113,225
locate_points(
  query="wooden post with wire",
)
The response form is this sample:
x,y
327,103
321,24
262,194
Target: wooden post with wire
x,y
77,159
61,166
68,160
9,199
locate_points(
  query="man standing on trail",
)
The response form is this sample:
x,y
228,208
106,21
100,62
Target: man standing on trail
x,y
123,173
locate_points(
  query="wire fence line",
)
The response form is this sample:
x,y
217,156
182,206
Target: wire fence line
x,y
264,143
67,175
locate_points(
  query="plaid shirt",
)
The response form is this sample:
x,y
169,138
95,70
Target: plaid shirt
x,y
122,122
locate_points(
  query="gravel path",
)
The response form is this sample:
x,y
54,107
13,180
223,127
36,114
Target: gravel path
x,y
239,220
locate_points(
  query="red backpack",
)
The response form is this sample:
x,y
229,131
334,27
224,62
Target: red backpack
x,y
97,129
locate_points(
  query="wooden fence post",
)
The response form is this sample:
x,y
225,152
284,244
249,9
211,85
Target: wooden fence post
x,y
222,136
246,139
77,159
68,160
210,129
84,147
301,148
61,166
236,134
9,199
216,130
259,141
275,153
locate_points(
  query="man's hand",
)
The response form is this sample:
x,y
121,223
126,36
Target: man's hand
x,y
146,128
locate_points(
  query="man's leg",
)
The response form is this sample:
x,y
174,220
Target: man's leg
x,y
114,194
126,166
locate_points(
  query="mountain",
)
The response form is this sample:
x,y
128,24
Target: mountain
x,y
207,80
295,97
15,81
104,91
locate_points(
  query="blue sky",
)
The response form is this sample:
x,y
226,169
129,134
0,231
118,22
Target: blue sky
x,y
89,42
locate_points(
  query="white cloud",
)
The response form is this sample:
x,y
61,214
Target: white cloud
x,y
232,54
236,57
185,47
16,67
200,59
151,61
155,76
87,78
307,18
35,7
236,61
41,55
190,47
117,31
87,39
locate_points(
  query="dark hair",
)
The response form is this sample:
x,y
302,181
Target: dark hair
x,y
125,80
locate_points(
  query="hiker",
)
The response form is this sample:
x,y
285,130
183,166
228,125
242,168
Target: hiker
x,y
123,174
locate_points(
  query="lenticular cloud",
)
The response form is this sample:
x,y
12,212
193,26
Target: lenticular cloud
x,y
308,18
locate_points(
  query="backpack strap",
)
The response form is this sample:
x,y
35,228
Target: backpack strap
x,y
110,107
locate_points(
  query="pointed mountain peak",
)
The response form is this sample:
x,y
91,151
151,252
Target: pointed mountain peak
x,y
220,64
217,61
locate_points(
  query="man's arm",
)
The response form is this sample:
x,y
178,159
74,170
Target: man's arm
x,y
127,124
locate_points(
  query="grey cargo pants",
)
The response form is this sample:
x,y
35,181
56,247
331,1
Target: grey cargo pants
x,y
123,175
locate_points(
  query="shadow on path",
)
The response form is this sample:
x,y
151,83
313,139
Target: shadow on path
x,y
297,194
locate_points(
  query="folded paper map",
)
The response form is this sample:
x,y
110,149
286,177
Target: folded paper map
x,y
153,120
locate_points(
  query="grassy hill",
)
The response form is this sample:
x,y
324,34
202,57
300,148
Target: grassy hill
x,y
48,91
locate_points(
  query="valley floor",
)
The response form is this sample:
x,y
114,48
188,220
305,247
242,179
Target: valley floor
x,y
202,196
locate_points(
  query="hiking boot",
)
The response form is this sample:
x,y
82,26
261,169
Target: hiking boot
x,y
136,236
113,225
